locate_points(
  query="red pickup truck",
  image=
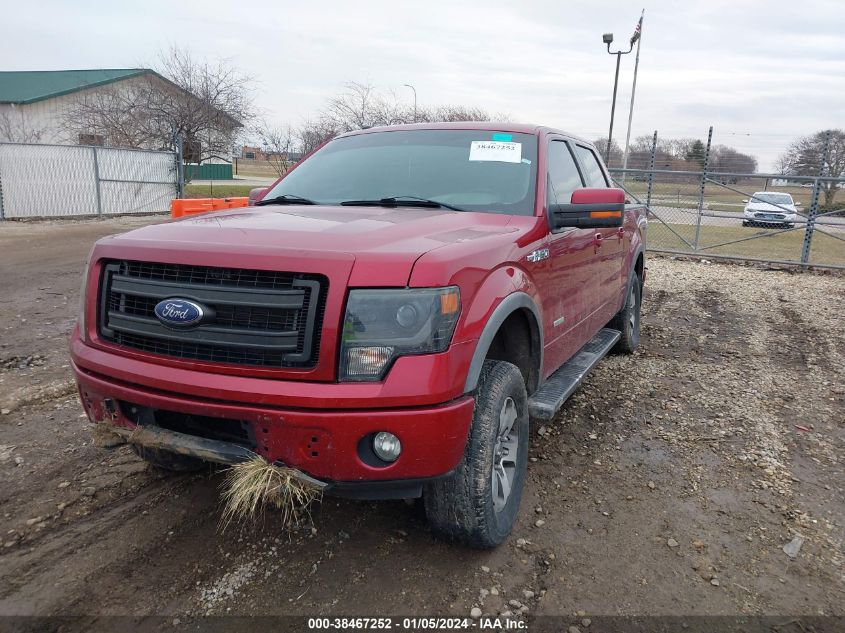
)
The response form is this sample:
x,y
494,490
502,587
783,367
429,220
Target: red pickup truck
x,y
385,320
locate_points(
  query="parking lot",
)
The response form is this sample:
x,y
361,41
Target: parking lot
x,y
670,483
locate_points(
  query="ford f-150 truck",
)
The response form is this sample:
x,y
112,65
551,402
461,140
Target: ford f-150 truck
x,y
385,320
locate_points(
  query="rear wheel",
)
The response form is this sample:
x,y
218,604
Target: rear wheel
x,y
168,460
627,320
478,504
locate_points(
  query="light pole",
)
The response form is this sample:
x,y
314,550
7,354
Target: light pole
x,y
415,100
607,38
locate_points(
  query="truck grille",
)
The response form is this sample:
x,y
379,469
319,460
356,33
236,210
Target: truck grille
x,y
255,317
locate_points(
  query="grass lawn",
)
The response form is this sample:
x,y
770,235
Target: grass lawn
x,y
774,245
217,191
256,169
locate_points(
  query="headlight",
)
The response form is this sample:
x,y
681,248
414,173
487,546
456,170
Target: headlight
x,y
83,294
381,325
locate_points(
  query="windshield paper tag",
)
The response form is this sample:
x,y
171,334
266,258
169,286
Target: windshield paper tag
x,y
496,151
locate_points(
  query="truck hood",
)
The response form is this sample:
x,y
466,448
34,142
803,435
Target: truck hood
x,y
384,242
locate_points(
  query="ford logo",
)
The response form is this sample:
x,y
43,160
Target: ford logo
x,y
179,312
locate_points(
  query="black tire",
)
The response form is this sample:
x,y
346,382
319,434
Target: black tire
x,y
627,320
168,460
461,508
745,223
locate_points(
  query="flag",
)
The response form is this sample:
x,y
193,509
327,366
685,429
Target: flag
x,y
637,31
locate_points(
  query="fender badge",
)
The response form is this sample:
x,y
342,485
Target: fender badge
x,y
539,255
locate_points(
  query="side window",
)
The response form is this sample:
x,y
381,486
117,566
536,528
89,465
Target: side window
x,y
593,173
563,173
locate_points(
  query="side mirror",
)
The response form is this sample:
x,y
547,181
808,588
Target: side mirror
x,y
256,194
590,208
745,200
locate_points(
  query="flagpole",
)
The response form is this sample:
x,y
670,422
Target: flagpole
x,y
633,92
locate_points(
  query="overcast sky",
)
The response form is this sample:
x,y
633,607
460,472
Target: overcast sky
x,y
761,73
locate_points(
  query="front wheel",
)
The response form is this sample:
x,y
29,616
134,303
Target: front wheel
x,y
478,504
627,320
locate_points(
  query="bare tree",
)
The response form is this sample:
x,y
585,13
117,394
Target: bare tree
x,y
727,159
678,147
14,128
205,102
783,165
642,143
804,158
120,115
216,100
455,113
615,151
278,144
360,106
312,134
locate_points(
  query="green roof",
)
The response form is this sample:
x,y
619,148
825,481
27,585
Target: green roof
x,y
28,86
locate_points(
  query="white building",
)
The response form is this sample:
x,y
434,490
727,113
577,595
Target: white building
x,y
33,104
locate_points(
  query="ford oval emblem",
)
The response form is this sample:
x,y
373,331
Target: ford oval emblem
x,y
179,312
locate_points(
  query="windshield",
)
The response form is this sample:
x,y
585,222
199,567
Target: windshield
x,y
473,170
774,198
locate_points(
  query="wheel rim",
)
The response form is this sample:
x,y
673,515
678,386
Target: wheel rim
x,y
504,455
632,301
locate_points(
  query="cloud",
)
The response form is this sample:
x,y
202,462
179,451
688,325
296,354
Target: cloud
x,y
761,73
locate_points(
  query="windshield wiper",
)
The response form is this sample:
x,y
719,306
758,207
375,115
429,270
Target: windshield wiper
x,y
395,201
284,199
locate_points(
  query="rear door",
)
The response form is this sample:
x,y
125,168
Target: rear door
x,y
567,298
609,244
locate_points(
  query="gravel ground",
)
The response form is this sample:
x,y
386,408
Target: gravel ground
x,y
702,475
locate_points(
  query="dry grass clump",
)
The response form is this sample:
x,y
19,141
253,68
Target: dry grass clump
x,y
105,436
252,485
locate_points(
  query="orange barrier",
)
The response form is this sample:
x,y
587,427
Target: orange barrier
x,y
181,207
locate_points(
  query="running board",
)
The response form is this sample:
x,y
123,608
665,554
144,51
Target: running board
x,y
549,398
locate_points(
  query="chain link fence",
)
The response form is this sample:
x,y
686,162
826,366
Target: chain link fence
x,y
740,215
49,181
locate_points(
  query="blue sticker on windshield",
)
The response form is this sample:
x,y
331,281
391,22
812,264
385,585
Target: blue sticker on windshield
x,y
501,136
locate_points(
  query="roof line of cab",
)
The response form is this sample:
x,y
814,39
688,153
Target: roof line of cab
x,y
493,126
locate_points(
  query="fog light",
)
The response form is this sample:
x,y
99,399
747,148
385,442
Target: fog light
x,y
387,446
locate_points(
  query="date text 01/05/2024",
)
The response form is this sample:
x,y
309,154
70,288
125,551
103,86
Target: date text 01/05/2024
x,y
415,624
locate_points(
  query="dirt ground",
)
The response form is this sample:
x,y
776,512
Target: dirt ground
x,y
669,484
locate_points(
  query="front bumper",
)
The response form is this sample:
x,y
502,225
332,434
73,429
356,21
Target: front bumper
x,y
328,445
763,217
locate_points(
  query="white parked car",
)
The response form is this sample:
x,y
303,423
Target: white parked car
x,y
770,208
